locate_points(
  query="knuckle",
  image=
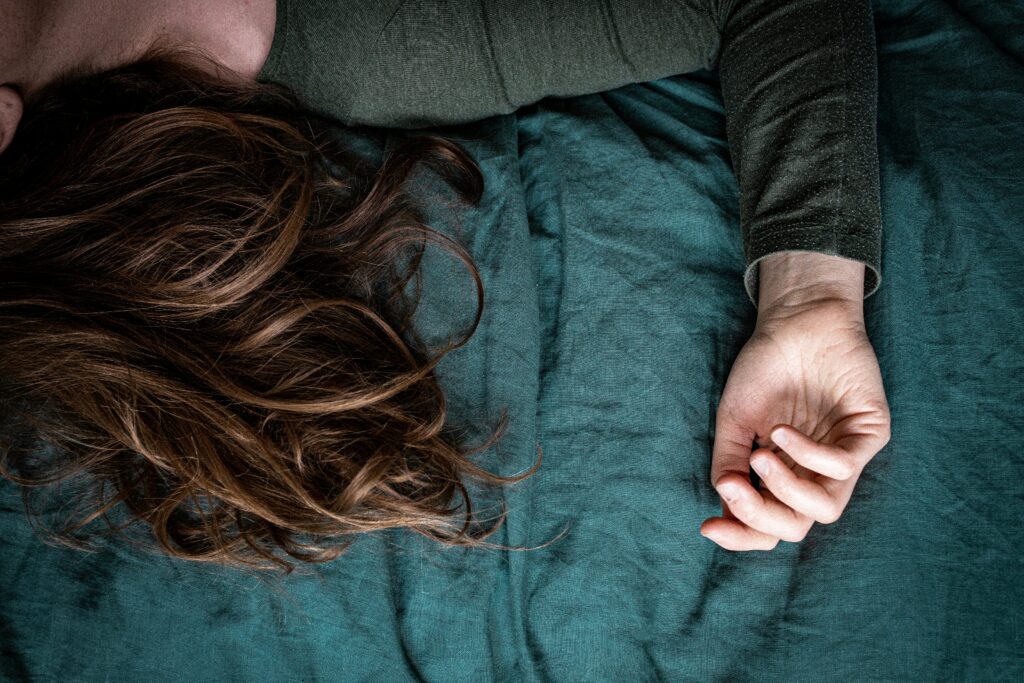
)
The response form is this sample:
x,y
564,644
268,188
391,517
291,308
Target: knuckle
x,y
770,545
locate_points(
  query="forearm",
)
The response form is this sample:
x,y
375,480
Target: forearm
x,y
799,82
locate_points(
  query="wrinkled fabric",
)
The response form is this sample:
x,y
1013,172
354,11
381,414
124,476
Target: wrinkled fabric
x,y
609,243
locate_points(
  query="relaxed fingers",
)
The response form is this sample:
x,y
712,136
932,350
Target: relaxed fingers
x,y
801,495
831,461
766,515
733,535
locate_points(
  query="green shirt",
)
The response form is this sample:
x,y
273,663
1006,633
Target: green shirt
x,y
798,77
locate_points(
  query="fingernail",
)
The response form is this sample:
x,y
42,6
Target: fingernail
x,y
780,437
761,465
729,491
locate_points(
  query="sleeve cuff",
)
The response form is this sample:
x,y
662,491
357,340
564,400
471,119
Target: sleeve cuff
x,y
816,238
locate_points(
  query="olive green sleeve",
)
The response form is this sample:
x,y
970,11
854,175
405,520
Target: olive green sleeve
x,y
798,80
422,63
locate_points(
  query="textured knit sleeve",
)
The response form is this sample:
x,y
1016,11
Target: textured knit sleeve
x,y
799,80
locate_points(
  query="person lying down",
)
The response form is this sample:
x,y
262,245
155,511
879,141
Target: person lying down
x,y
203,307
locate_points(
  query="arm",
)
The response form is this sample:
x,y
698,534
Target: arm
x,y
799,83
799,80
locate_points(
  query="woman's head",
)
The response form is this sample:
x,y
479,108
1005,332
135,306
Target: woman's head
x,y
39,40
212,329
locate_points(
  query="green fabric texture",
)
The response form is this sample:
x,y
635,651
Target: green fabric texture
x,y
608,240
798,79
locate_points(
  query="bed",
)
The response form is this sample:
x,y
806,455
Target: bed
x,y
608,240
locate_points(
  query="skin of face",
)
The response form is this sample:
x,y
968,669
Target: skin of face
x,y
40,39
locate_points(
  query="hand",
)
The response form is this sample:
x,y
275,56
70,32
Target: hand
x,y
808,375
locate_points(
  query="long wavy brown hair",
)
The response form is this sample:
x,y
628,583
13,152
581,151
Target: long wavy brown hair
x,y
208,322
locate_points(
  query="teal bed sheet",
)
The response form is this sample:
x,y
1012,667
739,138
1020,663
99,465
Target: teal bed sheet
x,y
609,243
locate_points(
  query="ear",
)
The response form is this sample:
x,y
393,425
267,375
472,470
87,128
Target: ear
x,y
11,106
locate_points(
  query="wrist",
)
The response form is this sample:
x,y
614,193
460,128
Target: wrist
x,y
797,280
